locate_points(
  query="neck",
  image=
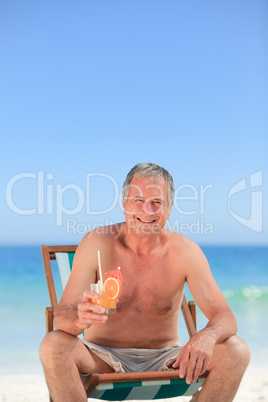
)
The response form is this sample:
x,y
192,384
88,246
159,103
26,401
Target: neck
x,y
141,244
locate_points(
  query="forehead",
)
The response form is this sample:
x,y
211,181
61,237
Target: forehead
x,y
140,186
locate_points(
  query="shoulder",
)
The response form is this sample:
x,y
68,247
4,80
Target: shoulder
x,y
102,239
186,249
178,241
97,237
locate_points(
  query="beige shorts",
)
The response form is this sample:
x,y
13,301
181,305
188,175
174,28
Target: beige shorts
x,y
125,360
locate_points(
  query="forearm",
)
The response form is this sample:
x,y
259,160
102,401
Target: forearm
x,y
66,319
222,325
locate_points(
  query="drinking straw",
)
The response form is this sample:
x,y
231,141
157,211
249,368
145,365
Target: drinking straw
x,y
99,266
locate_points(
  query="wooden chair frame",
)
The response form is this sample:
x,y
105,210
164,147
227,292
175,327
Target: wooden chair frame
x,y
188,310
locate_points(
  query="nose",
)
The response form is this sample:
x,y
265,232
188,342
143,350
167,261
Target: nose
x,y
149,207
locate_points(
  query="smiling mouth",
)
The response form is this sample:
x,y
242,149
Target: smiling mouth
x,y
144,221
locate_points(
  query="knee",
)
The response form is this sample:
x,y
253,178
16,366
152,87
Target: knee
x,y
238,351
52,347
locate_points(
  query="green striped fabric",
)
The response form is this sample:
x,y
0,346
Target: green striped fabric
x,y
65,263
139,390
144,390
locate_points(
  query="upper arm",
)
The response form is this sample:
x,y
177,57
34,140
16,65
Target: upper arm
x,y
203,286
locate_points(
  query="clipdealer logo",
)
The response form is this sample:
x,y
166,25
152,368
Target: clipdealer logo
x,y
255,206
48,198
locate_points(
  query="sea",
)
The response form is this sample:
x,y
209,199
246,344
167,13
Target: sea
x,y
240,271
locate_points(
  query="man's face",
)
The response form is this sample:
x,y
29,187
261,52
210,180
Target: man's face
x,y
146,208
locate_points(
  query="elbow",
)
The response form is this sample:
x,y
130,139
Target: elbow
x,y
56,318
57,323
231,322
235,326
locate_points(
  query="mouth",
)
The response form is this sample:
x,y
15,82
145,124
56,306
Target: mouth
x,y
145,221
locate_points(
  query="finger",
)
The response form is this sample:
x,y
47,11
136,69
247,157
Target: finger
x,y
198,369
88,295
91,307
205,365
183,364
190,369
86,319
177,362
89,318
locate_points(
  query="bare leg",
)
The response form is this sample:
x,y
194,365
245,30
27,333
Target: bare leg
x,y
64,357
227,366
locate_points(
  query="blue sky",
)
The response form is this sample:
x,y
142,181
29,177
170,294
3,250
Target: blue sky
x,y
90,88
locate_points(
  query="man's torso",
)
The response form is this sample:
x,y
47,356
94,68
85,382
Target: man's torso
x,y
148,308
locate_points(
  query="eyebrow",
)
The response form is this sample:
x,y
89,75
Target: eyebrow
x,y
158,199
153,199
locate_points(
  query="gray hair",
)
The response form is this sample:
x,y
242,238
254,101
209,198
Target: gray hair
x,y
150,171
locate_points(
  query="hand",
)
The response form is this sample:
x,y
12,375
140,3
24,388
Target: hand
x,y
194,357
87,311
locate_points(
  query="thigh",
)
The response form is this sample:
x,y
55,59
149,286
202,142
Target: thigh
x,y
88,362
71,347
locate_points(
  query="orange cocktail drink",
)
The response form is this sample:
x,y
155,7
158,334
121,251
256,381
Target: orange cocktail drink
x,y
109,291
105,302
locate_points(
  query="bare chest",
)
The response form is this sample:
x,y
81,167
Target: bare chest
x,y
153,285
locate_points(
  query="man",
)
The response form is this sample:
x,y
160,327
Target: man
x,y
155,263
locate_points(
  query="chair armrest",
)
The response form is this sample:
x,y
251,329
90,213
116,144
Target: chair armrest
x,y
192,308
188,316
49,319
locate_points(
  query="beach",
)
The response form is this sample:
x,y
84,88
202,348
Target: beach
x,y
32,388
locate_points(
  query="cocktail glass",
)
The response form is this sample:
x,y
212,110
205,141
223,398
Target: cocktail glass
x,y
103,301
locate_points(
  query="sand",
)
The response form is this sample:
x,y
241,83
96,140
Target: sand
x,y
31,388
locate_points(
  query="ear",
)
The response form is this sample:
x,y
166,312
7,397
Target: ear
x,y
169,211
124,205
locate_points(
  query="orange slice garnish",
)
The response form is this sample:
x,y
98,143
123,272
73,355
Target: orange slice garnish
x,y
112,288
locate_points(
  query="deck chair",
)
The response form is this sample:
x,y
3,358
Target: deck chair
x,y
120,386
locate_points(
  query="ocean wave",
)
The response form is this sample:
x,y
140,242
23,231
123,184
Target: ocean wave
x,y
250,293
